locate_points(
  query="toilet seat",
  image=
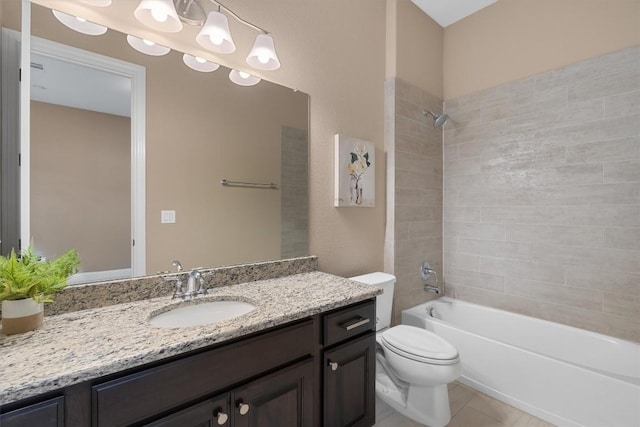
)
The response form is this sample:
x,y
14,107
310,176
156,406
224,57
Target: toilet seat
x,y
419,345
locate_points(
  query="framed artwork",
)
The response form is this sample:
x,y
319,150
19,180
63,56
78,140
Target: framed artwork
x,y
355,172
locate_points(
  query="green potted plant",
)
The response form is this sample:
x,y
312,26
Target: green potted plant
x,y
28,281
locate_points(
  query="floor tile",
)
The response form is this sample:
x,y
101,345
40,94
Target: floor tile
x,y
495,409
469,417
469,408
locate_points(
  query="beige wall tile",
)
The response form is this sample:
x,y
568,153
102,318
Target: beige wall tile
x,y
627,171
622,305
603,151
620,216
591,277
561,235
510,250
545,272
622,238
527,214
474,230
622,104
554,161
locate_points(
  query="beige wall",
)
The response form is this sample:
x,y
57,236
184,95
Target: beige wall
x,y
512,39
80,187
414,47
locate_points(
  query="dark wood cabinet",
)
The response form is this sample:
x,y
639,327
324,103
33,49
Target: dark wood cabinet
x,y
311,372
210,413
49,413
283,399
349,367
349,383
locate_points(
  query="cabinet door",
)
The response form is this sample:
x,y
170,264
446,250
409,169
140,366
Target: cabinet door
x,y
349,383
210,413
283,399
45,414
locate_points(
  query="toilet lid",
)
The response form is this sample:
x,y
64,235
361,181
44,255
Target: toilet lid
x,y
419,344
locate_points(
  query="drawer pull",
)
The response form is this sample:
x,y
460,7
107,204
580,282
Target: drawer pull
x,y
243,408
221,417
334,365
356,324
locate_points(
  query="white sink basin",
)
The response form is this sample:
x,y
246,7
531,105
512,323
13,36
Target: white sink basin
x,y
201,314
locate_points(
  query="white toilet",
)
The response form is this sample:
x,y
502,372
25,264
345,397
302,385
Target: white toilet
x,y
413,365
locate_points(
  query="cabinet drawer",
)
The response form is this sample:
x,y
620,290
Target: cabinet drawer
x,y
49,413
135,397
349,322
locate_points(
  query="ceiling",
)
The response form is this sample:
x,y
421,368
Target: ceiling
x,y
446,12
60,82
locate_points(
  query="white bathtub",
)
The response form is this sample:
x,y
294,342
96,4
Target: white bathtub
x,y
564,375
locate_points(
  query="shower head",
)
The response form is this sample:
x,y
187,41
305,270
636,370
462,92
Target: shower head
x,y
438,119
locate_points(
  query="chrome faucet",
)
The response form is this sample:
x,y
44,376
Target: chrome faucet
x,y
192,290
426,272
194,275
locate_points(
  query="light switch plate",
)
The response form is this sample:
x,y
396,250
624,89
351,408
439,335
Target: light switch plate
x,y
167,217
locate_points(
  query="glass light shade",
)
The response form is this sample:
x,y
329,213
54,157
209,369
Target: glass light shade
x,y
199,64
147,47
215,35
158,14
263,54
79,24
243,79
99,3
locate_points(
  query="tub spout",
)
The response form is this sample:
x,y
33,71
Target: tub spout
x,y
434,289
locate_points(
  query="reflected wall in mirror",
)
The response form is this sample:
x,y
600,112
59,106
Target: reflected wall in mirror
x,y
202,128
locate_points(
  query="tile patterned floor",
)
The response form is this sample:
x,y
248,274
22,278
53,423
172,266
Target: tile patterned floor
x,y
469,408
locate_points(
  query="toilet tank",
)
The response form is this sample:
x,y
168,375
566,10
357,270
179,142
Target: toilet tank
x,y
384,301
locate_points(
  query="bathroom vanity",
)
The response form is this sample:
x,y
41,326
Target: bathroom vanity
x,y
304,356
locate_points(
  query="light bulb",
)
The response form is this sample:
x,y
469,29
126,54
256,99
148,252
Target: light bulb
x,y
81,19
200,60
243,74
148,42
216,39
159,15
263,58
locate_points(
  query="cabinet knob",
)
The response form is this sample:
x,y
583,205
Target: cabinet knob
x,y
243,408
221,417
334,365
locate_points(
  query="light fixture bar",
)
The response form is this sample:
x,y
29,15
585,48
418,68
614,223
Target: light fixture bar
x,y
237,17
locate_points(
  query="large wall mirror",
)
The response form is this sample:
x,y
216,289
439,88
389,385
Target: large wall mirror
x,y
199,129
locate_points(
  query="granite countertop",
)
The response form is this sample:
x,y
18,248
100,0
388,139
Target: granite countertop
x,y
82,345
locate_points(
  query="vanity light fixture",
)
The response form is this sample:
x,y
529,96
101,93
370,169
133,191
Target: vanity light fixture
x,y
78,24
160,15
99,3
263,55
146,46
243,79
199,64
215,35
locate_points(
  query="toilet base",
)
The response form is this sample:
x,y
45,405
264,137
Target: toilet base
x,y
425,405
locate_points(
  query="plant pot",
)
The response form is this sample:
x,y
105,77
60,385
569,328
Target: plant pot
x,y
21,315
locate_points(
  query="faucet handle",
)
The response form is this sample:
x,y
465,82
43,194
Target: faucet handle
x,y
178,293
178,266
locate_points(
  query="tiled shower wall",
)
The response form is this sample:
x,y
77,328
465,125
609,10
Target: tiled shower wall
x,y
414,167
542,195
294,198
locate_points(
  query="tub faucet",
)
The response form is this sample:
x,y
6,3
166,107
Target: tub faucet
x,y
426,272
